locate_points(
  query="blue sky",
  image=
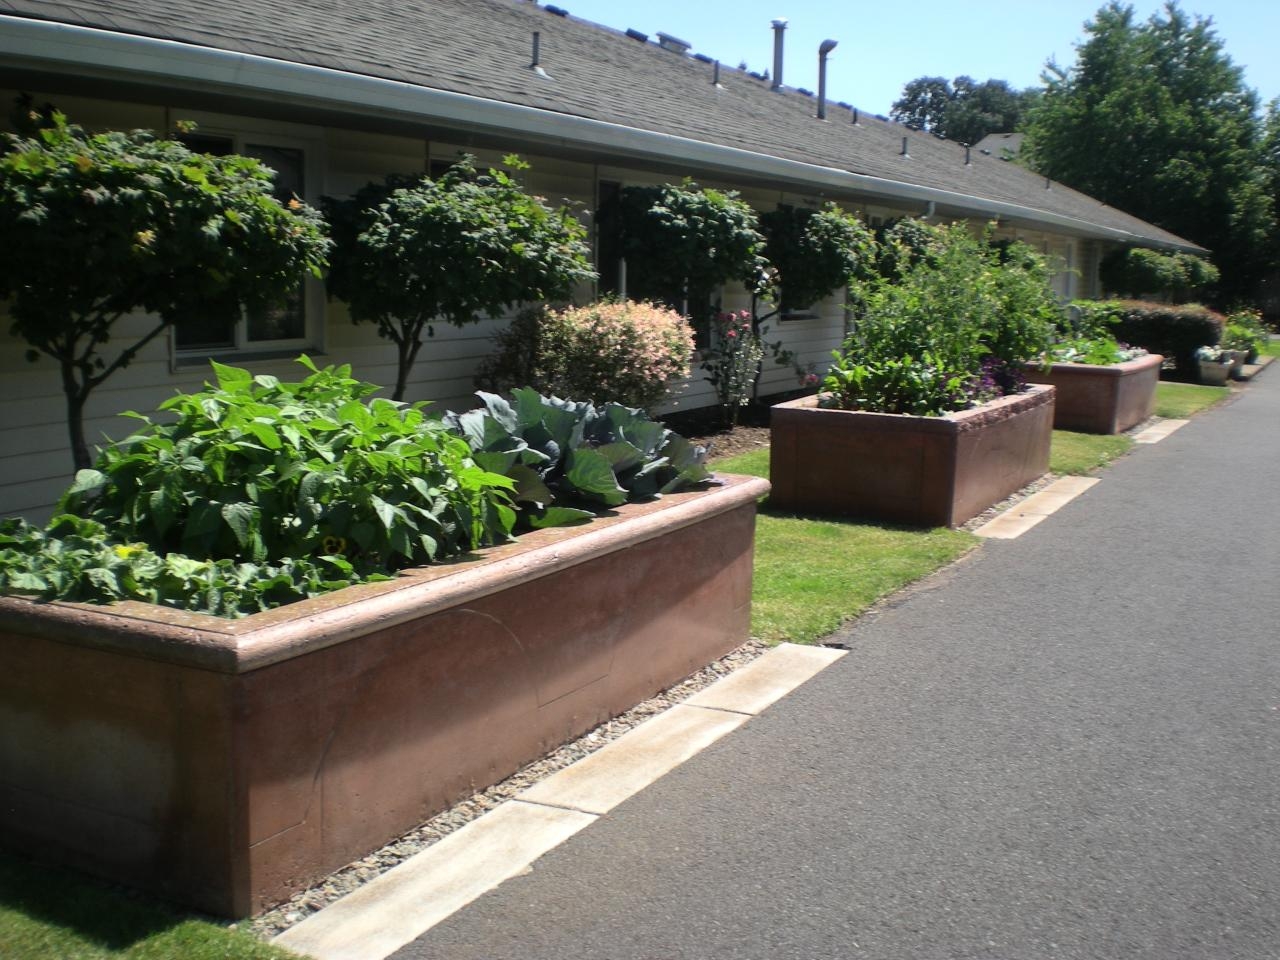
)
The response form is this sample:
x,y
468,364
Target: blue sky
x,y
882,45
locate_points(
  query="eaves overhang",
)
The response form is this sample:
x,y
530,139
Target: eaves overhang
x,y
51,48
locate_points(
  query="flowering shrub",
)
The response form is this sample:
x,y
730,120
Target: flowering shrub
x,y
1245,331
1211,354
620,352
732,362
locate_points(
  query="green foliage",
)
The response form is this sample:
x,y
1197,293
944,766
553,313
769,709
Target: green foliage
x,y
566,458
1155,119
815,252
1173,331
255,469
1100,351
1139,272
965,110
255,493
688,238
468,243
623,352
1245,331
902,243
926,330
97,226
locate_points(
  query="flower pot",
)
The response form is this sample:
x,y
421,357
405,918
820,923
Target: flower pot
x,y
923,471
1237,363
1098,399
1214,373
226,764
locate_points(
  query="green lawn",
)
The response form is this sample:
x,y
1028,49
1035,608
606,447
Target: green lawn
x,y
1080,453
50,914
1177,401
1271,348
811,575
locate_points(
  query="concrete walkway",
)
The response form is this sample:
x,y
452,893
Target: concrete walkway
x,y
1069,747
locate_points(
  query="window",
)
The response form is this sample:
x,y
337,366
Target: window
x,y
282,328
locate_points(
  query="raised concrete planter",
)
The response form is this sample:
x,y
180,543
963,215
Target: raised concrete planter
x,y
1093,399
924,471
226,764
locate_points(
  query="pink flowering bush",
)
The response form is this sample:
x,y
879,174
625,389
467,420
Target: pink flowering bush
x,y
732,362
624,352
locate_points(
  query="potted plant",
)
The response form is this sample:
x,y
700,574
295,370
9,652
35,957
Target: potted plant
x,y
1102,386
226,763
924,417
1214,365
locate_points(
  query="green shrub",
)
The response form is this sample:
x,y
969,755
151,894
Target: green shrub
x,y
814,253
1139,272
953,327
259,493
623,352
1097,351
1173,331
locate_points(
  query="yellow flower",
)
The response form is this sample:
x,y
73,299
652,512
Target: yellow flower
x,y
334,546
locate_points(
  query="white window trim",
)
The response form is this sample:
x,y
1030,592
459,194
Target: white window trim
x,y
242,131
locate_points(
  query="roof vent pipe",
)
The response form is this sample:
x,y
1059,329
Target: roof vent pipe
x,y
966,155
904,147
825,49
715,75
537,45
779,27
855,116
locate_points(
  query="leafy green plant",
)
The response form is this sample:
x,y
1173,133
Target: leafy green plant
x,y
466,243
1244,330
567,458
255,470
952,322
97,226
1096,351
624,352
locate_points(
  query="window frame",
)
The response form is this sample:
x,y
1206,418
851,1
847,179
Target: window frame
x,y
244,133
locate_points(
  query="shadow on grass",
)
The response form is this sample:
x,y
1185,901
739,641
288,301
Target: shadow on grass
x,y
86,910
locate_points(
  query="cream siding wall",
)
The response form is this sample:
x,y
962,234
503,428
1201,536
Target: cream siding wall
x,y
35,462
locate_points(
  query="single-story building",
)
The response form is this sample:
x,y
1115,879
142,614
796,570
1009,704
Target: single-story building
x,y
333,95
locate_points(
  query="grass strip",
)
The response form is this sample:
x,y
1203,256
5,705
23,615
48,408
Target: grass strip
x,y
1077,454
1177,401
812,575
47,913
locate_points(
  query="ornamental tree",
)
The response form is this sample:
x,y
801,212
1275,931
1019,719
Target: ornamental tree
x,y
815,252
409,252
97,226
681,242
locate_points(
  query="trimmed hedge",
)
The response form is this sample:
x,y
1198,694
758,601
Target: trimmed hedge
x,y
1174,331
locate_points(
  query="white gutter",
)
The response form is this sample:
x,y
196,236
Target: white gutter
x,y
42,45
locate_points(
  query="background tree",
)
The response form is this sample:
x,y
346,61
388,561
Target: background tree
x,y
94,227
1155,119
452,248
963,110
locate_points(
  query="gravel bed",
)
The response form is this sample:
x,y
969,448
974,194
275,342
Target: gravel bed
x,y
301,905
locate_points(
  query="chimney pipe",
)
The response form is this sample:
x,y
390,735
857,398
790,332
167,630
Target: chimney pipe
x,y
537,44
904,147
826,48
779,26
715,76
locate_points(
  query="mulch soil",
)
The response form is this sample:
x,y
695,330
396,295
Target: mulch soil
x,y
706,427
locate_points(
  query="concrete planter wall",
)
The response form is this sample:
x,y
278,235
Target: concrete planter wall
x,y
226,764
1093,399
924,471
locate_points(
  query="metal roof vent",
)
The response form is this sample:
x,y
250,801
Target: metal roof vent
x,y
637,35
779,27
904,149
667,42
556,11
823,51
536,64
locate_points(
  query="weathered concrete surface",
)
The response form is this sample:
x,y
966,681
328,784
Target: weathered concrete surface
x,y
1094,399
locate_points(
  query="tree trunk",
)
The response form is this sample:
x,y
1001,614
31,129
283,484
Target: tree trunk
x,y
75,430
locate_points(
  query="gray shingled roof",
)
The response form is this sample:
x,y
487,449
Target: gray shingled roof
x,y
482,48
